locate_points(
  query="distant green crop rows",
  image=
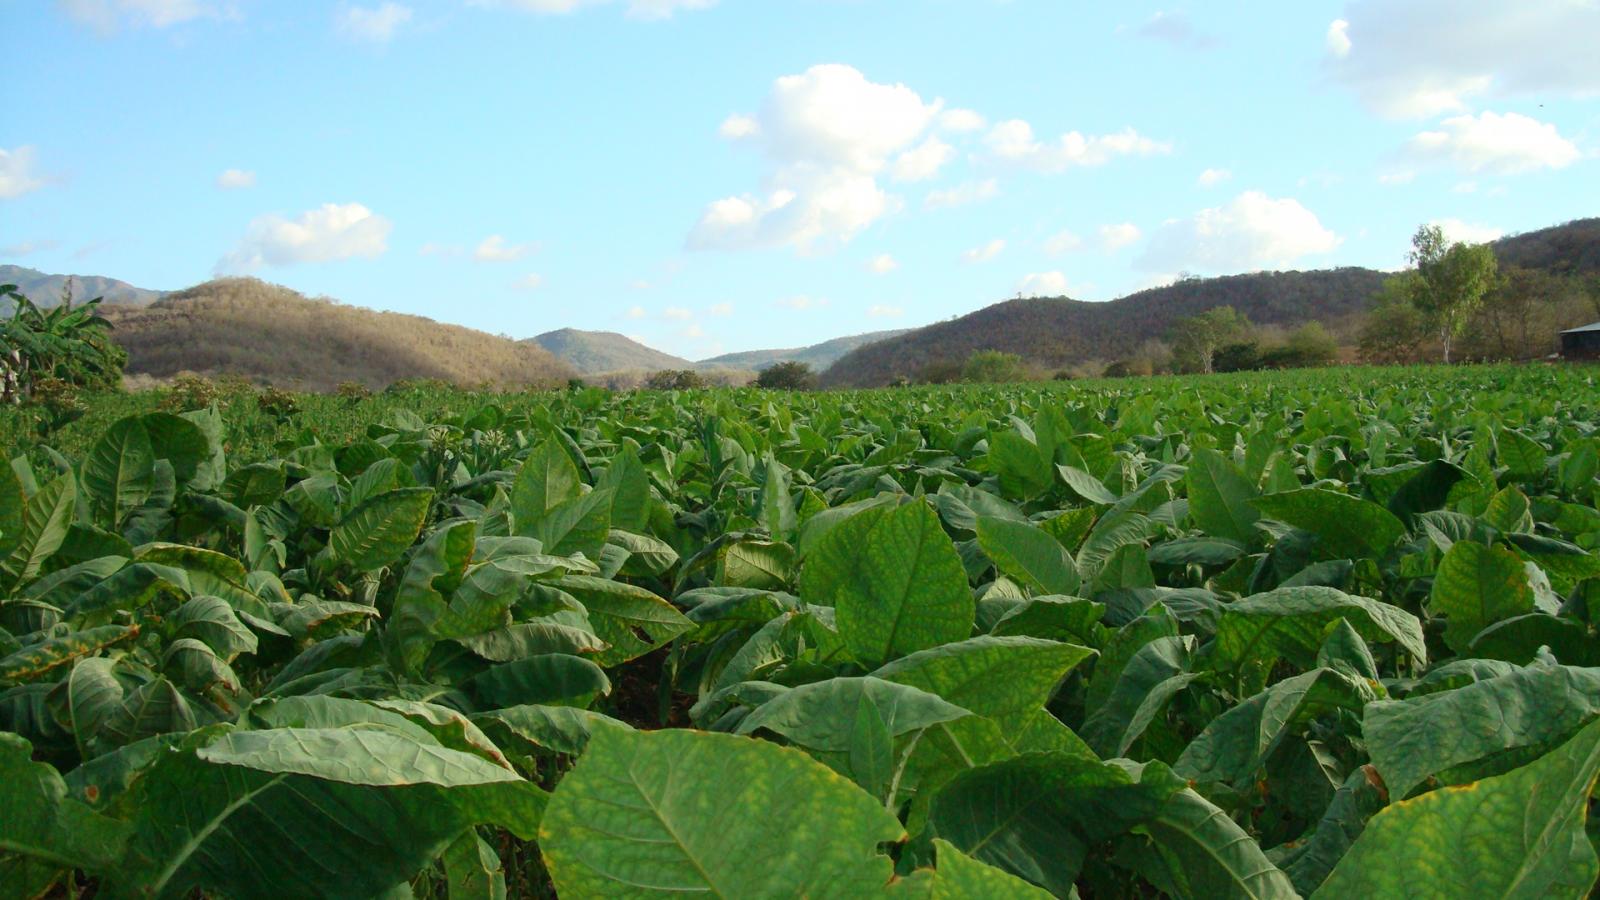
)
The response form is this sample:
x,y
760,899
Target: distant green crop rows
x,y
1324,633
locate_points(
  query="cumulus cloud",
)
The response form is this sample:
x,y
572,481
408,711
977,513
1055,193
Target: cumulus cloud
x,y
637,9
1500,144
802,302
923,161
330,232
885,312
373,25
637,312
529,282
1456,230
1013,141
984,252
1115,237
236,179
1212,177
678,313
1338,39
1043,284
1412,58
828,133
1062,242
962,121
107,16
720,309
1252,232
882,264
17,173
1176,29
495,249
965,194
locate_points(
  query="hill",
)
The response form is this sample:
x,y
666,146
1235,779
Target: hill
x,y
270,334
45,289
1056,332
596,352
1570,249
817,356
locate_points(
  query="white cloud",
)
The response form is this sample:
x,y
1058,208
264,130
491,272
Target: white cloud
x,y
802,302
236,179
678,313
1176,29
1043,284
1393,179
529,282
495,249
1013,141
17,175
108,15
885,312
882,264
720,309
1411,58
325,234
961,121
1212,177
964,194
1500,144
923,161
26,248
1338,38
637,312
1062,242
984,253
694,331
736,126
1465,187
1115,237
829,133
1252,232
649,10
375,25
1456,230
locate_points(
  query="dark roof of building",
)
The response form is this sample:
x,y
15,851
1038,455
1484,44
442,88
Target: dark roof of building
x,y
1592,326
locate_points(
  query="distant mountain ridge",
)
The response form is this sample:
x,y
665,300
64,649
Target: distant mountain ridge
x,y
1059,332
818,356
45,289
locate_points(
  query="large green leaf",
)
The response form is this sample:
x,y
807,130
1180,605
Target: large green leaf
x,y
630,619
1155,673
39,659
119,472
959,877
895,580
822,715
1289,623
997,677
353,755
378,531
647,814
546,479
43,830
1028,553
1348,526
1475,587
1207,856
45,521
1517,835
1490,724
1219,497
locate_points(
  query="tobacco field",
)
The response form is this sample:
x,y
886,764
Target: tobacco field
x,y
1313,634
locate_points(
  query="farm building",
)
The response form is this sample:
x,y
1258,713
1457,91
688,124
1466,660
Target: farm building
x,y
1581,343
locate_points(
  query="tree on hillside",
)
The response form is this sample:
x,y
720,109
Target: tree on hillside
x,y
787,376
992,367
1452,279
1310,345
1196,340
674,380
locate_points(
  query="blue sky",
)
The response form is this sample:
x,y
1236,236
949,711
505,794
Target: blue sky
x,y
719,175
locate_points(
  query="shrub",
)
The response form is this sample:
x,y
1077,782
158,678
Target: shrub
x,y
787,376
674,380
993,367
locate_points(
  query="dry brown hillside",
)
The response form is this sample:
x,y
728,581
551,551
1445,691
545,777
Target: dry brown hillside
x,y
270,334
